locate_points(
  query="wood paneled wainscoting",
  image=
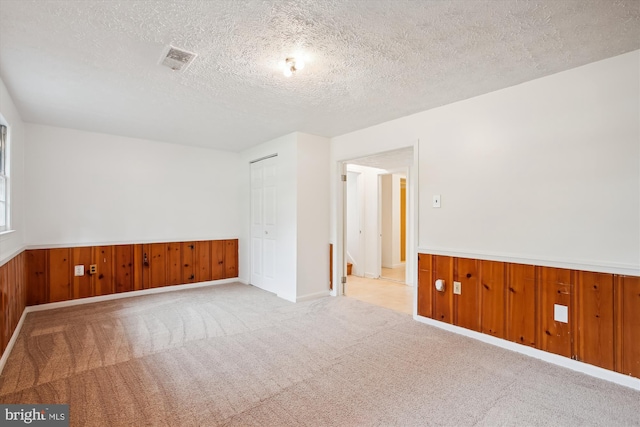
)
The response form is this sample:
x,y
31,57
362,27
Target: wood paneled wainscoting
x,y
122,268
526,303
39,276
12,297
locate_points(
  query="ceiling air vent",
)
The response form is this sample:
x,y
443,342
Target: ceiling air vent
x,y
177,59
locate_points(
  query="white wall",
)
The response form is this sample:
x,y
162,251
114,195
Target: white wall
x,y
86,188
545,172
303,221
12,242
390,220
313,216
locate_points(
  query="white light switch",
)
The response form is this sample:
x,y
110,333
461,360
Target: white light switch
x,y
560,313
79,270
457,288
436,201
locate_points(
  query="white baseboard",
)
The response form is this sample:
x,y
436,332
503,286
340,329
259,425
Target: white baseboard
x,y
287,297
91,300
565,362
313,296
12,341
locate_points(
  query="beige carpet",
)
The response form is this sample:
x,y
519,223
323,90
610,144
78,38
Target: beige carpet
x,y
235,355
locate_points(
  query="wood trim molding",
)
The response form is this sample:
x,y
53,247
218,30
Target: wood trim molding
x,y
583,265
12,255
123,242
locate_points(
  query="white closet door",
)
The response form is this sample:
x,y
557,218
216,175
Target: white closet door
x,y
264,223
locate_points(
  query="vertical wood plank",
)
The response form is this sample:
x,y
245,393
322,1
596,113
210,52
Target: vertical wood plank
x,y
10,305
628,325
556,287
12,297
123,268
145,264
618,307
595,330
137,267
203,261
82,285
4,306
21,265
37,276
231,259
59,274
22,273
158,265
13,290
103,280
425,286
467,304
217,259
492,276
330,266
173,264
521,304
188,250
443,301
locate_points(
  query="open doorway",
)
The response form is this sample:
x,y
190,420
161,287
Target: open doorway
x,y
376,204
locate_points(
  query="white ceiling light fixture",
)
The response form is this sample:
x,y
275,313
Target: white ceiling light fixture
x,y
291,65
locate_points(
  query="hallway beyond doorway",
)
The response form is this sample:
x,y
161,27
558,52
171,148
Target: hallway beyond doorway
x,y
381,292
394,274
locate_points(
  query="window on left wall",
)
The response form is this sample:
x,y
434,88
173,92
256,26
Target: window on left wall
x,y
4,178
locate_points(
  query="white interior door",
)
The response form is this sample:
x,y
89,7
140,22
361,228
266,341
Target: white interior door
x,y
264,223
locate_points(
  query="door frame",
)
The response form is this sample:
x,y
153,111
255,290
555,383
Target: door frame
x,y
251,242
413,192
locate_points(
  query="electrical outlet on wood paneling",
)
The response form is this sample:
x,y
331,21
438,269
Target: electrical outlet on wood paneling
x,y
457,288
79,270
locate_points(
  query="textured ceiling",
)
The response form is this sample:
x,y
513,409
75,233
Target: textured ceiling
x,y
92,65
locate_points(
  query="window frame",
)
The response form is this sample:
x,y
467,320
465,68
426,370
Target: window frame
x,y
4,174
